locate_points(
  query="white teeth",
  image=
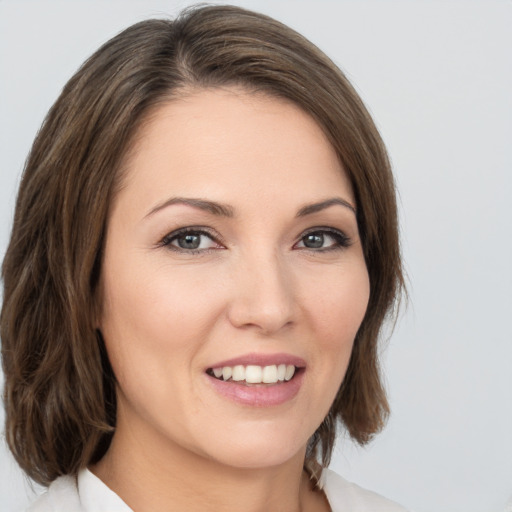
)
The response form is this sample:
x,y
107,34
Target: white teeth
x,y
269,374
290,370
227,371
254,374
238,373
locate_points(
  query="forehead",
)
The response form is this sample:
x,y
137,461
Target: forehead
x,y
232,144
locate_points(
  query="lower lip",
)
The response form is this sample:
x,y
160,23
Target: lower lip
x,y
258,395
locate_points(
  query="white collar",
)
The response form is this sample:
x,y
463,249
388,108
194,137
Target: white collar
x,y
95,496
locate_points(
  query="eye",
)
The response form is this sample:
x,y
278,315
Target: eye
x,y
190,240
325,239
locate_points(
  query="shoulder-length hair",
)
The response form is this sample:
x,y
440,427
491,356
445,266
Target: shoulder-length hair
x,y
59,386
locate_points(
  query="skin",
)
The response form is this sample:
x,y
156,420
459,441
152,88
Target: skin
x,y
257,286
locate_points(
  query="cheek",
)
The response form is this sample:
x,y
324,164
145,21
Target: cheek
x,y
151,317
336,315
339,307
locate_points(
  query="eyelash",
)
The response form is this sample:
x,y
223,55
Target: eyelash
x,y
342,241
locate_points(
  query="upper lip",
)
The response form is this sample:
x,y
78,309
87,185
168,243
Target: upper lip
x,y
262,360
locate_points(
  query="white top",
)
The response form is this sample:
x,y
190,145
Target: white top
x,y
90,494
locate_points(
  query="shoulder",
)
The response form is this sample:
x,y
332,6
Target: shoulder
x,y
343,495
61,496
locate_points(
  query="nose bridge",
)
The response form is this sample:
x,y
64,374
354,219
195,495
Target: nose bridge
x,y
264,292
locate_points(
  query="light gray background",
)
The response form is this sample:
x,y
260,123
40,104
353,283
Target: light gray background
x,y
437,77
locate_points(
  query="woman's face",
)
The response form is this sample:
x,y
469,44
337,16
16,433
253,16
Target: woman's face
x,y
233,253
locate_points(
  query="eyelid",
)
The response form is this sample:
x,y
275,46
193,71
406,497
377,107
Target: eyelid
x,y
342,239
200,230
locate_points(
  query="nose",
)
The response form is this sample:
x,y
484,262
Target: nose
x,y
263,296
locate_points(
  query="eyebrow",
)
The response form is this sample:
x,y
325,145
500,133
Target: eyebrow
x,y
224,210
322,205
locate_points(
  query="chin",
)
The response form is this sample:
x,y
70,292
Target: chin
x,y
257,451
253,459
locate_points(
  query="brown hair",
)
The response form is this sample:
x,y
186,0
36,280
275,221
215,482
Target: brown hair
x,y
59,387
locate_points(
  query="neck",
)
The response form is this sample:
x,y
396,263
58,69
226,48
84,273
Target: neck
x,y
190,482
177,479
151,472
181,480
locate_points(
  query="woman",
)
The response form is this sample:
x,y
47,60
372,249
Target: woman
x,y
204,251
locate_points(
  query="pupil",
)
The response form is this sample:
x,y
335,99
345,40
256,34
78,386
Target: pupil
x,y
189,241
314,241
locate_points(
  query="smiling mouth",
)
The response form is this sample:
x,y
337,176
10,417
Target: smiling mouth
x,y
253,374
